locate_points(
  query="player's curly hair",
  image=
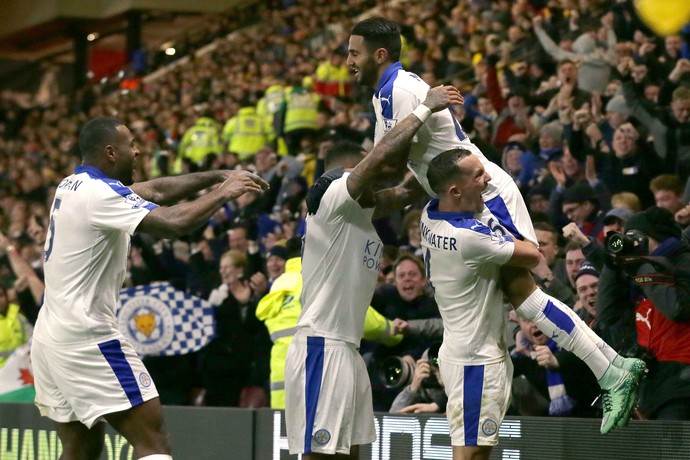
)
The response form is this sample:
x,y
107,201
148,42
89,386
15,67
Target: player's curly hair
x,y
444,167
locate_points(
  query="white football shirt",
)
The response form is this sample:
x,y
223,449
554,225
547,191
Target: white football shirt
x,y
463,258
85,257
340,265
400,92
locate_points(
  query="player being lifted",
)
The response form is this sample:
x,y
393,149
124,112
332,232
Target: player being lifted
x,y
373,57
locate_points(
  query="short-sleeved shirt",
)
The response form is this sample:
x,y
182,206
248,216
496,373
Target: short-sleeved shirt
x,y
463,258
85,256
340,265
400,92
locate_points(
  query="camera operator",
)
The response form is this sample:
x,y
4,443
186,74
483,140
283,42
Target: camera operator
x,y
425,391
646,283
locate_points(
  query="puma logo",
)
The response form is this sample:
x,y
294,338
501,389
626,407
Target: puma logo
x,y
387,99
644,319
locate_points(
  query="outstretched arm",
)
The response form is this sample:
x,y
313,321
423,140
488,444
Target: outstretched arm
x,y
392,148
166,190
174,221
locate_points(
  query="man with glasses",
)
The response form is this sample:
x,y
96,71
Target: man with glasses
x,y
581,205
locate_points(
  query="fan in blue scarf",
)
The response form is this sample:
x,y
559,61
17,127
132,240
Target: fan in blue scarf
x,y
560,404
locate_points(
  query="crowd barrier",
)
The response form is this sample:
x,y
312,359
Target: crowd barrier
x,y
244,434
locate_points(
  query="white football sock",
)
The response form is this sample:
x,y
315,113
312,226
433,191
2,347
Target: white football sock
x,y
560,323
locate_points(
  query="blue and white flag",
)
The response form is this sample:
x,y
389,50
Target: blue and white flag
x,y
162,321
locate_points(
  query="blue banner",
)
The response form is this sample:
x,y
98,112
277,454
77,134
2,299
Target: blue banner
x,y
162,321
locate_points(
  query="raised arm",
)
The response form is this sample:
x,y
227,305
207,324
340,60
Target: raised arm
x,y
396,198
22,268
174,221
167,190
392,147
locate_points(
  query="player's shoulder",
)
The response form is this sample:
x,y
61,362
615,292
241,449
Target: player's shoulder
x,y
457,220
410,81
470,224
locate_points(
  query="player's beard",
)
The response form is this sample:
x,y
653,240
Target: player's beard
x,y
368,73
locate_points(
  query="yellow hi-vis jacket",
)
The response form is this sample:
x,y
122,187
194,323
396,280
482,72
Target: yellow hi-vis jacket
x,y
280,309
198,141
13,332
244,133
301,109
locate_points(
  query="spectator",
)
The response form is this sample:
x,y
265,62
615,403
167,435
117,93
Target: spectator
x,y
15,330
668,192
425,389
234,359
670,128
407,299
551,273
574,258
659,311
275,262
581,205
617,113
548,380
586,286
626,200
198,142
245,133
411,237
594,62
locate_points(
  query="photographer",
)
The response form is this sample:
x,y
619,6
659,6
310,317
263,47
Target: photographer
x,y
646,281
425,391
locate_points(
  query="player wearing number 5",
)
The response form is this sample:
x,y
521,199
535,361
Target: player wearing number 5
x,y
463,259
84,368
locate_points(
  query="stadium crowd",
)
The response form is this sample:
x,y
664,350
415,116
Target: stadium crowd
x,y
579,101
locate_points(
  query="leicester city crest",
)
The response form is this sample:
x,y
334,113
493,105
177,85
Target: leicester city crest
x,y
322,437
148,323
489,427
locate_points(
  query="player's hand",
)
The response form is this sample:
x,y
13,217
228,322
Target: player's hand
x,y
442,97
545,357
420,408
542,269
241,183
236,174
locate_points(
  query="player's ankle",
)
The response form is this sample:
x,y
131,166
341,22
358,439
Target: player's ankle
x,y
611,377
